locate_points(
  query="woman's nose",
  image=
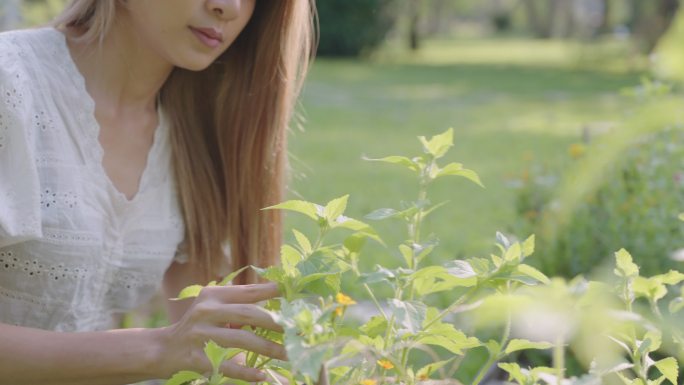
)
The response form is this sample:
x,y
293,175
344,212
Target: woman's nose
x,y
224,9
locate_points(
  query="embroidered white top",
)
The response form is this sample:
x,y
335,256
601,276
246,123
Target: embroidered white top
x,y
74,251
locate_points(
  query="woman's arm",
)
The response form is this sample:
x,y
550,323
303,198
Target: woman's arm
x,y
32,356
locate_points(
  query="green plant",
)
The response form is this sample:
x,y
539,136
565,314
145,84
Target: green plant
x,y
491,298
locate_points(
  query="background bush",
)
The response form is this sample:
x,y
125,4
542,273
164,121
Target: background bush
x,y
634,207
352,27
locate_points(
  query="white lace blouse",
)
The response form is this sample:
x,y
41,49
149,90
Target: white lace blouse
x,y
74,251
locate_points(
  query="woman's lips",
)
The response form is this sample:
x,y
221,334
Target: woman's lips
x,y
207,36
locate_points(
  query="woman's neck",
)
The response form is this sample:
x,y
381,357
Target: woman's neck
x,y
122,75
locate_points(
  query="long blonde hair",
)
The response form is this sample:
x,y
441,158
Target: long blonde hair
x,y
229,129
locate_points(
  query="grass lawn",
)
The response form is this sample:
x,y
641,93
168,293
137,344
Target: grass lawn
x,y
509,101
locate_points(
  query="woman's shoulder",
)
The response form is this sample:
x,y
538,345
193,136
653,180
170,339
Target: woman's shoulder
x,y
24,50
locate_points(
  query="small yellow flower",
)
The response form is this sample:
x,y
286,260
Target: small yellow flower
x,y
385,364
344,300
368,382
339,311
423,377
576,150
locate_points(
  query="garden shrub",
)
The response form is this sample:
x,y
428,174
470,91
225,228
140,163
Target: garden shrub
x,y
635,207
353,27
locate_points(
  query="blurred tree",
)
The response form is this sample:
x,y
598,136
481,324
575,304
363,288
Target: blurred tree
x,y
650,20
353,27
550,18
415,10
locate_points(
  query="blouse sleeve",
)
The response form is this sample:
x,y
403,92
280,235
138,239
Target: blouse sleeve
x,y
19,184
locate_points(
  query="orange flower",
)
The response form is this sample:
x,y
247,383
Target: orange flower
x,y
344,300
385,364
368,382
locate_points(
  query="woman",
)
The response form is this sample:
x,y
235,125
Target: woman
x,y
139,139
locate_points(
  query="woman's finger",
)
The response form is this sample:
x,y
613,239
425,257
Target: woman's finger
x,y
234,370
243,339
242,293
243,314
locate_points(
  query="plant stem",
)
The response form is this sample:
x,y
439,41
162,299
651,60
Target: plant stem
x,y
559,359
375,301
483,370
453,306
495,356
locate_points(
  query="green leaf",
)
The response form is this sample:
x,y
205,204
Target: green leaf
x,y
456,169
355,242
230,277
625,267
302,241
329,285
481,266
439,144
434,279
303,207
655,337
407,253
533,273
307,359
493,347
519,344
215,354
409,314
503,240
381,274
649,287
321,262
183,377
350,223
335,208
289,258
513,253
460,268
672,277
681,217
271,273
189,292
669,368
426,371
445,335
380,214
400,160
514,372
376,326
528,246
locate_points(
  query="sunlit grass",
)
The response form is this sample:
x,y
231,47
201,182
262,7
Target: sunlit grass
x,y
508,101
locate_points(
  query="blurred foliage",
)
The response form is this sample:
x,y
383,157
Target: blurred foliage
x,y
625,191
40,12
353,27
635,206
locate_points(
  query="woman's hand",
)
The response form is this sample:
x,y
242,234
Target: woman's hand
x,y
208,318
